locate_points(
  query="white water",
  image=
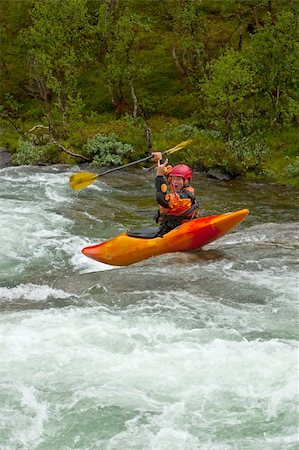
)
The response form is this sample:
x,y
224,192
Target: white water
x,y
188,351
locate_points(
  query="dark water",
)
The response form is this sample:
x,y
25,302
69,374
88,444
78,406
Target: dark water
x,y
184,351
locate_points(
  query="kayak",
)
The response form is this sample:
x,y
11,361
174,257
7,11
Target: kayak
x,y
140,244
137,245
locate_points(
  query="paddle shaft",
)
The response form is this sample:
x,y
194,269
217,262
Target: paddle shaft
x,y
125,165
171,150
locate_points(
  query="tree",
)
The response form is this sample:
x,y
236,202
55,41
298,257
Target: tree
x,y
188,44
274,56
228,90
14,17
119,30
258,86
58,49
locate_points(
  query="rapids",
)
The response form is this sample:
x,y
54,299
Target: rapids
x,y
180,352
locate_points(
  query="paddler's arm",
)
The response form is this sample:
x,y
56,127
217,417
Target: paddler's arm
x,y
161,186
161,191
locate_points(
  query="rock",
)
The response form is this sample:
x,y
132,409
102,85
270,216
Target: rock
x,y
5,158
216,173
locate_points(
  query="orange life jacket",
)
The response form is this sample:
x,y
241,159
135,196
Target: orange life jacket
x,y
175,207
179,203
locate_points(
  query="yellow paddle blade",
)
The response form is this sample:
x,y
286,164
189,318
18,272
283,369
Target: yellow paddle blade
x,y
179,146
81,180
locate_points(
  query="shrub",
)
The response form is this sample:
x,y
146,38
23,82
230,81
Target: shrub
x,y
27,153
244,155
107,150
187,130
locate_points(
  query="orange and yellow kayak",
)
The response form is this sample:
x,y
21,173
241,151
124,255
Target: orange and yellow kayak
x,y
124,250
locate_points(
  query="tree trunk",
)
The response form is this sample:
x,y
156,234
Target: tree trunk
x,y
4,65
228,124
176,61
256,19
135,101
37,127
240,32
53,141
148,138
61,147
277,100
111,92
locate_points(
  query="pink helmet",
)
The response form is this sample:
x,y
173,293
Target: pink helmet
x,y
181,170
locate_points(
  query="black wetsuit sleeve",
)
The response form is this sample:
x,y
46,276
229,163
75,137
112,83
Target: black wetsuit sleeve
x,y
160,194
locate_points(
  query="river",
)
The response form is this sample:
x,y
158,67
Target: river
x,y
180,352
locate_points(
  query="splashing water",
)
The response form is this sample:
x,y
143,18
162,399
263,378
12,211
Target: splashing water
x,y
183,351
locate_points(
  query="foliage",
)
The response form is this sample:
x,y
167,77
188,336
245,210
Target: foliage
x,y
257,86
205,153
58,49
273,55
15,17
189,36
118,29
224,73
231,83
245,154
11,110
29,154
106,150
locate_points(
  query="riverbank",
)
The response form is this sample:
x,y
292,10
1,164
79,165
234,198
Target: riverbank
x,y
161,77
272,159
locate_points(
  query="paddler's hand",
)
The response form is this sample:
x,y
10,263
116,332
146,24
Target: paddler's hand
x,y
157,156
162,168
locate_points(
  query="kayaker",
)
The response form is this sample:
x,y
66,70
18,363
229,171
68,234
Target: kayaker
x,y
180,204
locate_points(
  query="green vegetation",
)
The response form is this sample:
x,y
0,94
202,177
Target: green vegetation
x,y
107,81
107,150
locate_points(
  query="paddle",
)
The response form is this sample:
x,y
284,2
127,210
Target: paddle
x,y
83,179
